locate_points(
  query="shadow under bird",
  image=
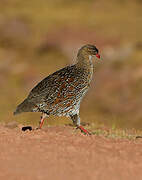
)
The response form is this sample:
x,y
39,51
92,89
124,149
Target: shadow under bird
x,y
60,93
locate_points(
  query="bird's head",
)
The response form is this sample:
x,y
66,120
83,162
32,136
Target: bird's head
x,y
89,50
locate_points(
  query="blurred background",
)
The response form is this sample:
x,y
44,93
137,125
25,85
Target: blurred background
x,y
37,37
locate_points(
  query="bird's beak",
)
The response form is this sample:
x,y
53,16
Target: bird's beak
x,y
98,56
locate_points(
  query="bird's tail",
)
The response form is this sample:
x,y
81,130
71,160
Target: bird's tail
x,y
25,106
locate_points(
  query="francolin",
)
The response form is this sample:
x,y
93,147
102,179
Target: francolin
x,y
61,93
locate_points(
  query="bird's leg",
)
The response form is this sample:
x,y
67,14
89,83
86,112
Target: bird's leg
x,y
83,130
76,121
42,120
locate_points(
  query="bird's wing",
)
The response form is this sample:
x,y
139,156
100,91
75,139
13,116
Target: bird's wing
x,y
49,86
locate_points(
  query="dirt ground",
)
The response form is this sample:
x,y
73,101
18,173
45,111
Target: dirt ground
x,y
62,153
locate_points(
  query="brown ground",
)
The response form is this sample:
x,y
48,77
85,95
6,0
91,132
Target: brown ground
x,y
59,153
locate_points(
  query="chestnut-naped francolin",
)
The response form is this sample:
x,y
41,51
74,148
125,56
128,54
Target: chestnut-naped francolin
x,y
60,93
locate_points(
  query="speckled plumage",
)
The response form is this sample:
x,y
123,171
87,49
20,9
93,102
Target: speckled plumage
x,y
60,93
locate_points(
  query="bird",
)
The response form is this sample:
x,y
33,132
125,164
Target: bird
x,y
61,93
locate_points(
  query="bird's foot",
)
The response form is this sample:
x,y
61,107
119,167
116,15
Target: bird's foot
x,y
83,130
38,128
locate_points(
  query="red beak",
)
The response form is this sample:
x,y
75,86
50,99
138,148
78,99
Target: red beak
x,y
98,56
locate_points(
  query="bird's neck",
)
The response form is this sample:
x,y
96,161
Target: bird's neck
x,y
84,62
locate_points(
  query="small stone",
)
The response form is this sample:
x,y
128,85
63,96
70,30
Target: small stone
x,y
25,128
